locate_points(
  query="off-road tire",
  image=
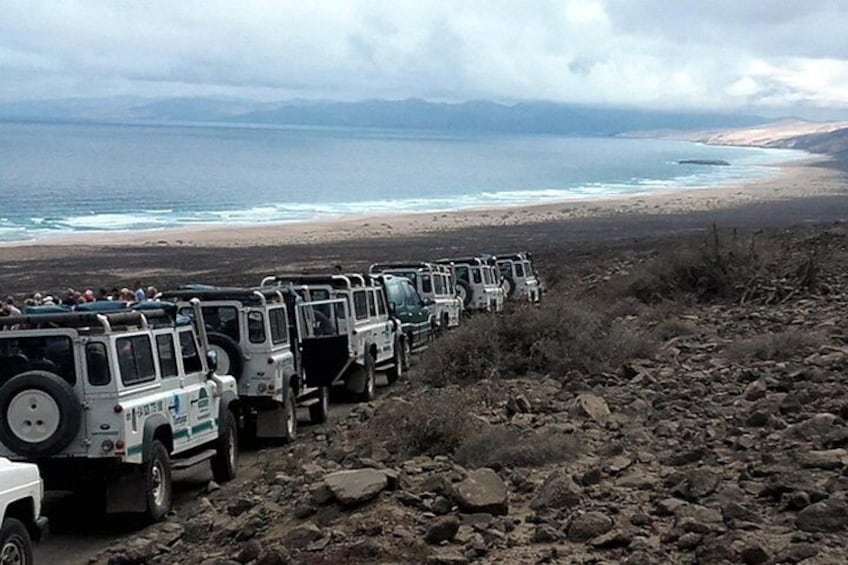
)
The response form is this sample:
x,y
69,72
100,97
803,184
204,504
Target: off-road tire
x,y
158,487
467,293
369,386
225,462
320,411
400,363
15,543
508,286
38,400
223,343
290,414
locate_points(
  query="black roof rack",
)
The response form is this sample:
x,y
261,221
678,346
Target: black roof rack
x,y
247,296
337,281
90,319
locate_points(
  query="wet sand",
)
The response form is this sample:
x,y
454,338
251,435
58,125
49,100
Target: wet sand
x,y
802,194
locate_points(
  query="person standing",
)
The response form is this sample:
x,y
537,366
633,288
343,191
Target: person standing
x,y
140,296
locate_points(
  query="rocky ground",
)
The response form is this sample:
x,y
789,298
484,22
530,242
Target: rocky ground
x,y
729,444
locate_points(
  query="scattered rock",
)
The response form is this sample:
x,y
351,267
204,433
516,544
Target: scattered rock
x,y
590,406
302,535
558,491
589,525
482,491
829,515
443,529
354,487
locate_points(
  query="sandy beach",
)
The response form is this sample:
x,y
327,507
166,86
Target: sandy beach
x,y
810,191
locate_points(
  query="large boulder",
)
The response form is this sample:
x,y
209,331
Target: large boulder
x,y
356,486
589,525
558,491
482,491
829,515
590,406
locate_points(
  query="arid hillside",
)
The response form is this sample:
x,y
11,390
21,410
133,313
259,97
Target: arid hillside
x,y
678,404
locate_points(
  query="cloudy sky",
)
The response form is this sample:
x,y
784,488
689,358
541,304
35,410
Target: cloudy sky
x,y
723,54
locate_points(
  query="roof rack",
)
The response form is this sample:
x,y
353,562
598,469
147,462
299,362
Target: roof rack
x,y
106,320
336,281
435,267
247,296
476,260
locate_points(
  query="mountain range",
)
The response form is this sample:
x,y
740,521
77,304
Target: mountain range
x,y
474,116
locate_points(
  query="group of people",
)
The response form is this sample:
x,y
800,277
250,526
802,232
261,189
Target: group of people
x,y
72,297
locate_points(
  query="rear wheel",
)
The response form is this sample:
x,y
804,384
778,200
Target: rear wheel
x,y
319,411
369,388
225,462
395,372
290,414
15,543
157,481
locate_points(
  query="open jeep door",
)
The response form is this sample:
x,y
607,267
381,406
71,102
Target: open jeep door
x,y
325,335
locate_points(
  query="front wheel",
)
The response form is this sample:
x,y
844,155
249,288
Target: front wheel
x,y
225,462
400,363
319,411
15,543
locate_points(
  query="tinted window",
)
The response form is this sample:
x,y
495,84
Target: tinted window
x,y
461,273
411,297
360,304
167,358
279,327
504,268
256,327
372,305
519,269
135,359
475,273
98,364
381,304
191,356
222,320
426,284
45,353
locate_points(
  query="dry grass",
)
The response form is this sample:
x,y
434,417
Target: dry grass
x,y
777,346
503,447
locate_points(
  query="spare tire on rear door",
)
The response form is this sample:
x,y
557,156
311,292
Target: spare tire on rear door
x,y
229,354
508,285
39,414
464,292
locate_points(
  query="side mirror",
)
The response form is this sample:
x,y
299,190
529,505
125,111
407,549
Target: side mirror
x,y
212,361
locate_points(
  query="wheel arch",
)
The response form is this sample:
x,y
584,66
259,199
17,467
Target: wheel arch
x,y
229,403
157,427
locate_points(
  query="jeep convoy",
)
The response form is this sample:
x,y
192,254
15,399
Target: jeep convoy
x,y
21,493
109,398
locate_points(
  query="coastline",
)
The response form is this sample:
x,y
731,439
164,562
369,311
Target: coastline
x,y
794,179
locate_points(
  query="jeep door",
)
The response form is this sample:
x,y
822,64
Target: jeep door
x,y
416,315
202,407
179,403
325,336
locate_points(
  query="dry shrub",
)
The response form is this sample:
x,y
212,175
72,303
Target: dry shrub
x,y
675,327
776,346
504,447
724,269
433,423
559,337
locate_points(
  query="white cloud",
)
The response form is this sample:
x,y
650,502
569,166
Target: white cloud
x,y
659,53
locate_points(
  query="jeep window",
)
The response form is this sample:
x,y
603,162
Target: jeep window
x,y
255,327
46,353
98,364
381,303
488,276
411,296
475,273
320,294
461,273
426,284
135,359
167,359
222,320
191,357
505,269
279,327
372,305
528,270
439,284
360,304
411,275
519,269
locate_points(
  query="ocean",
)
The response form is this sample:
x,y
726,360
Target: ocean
x,y
58,179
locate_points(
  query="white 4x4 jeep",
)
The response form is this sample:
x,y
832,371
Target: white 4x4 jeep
x,y
369,338
477,283
21,494
108,402
433,282
519,279
262,338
